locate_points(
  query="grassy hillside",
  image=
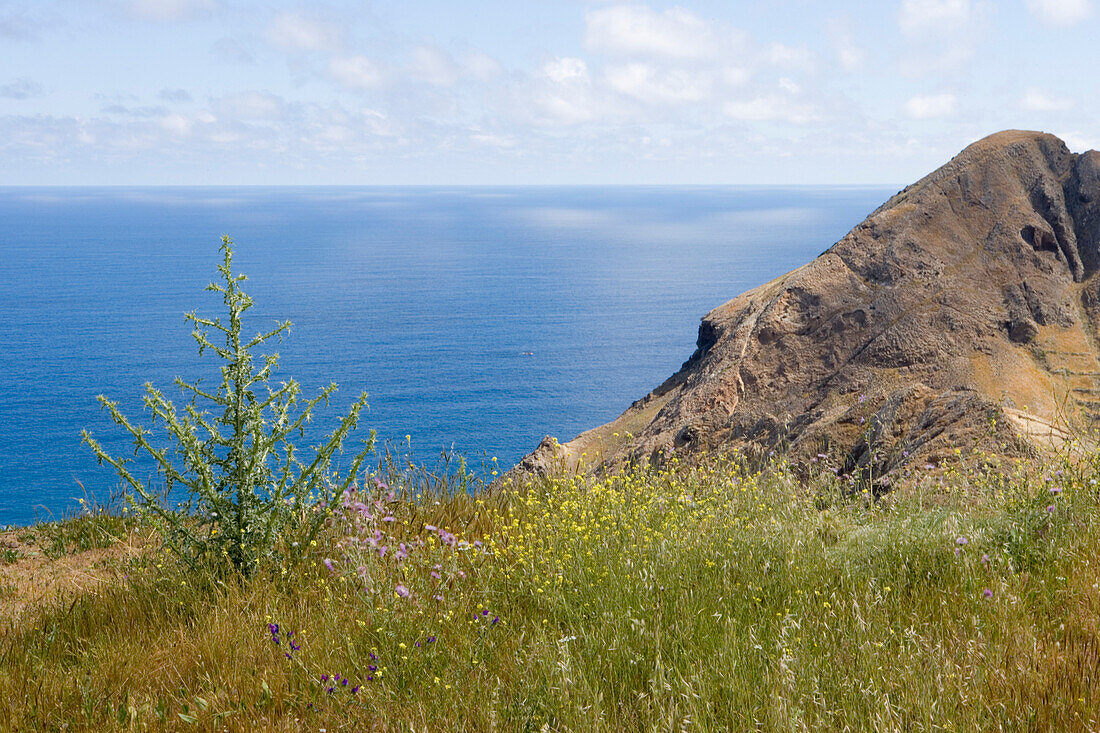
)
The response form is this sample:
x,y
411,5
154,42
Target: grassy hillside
x,y
707,598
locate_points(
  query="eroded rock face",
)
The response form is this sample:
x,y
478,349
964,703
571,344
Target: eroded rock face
x,y
962,313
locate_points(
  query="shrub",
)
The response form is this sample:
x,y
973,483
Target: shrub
x,y
250,498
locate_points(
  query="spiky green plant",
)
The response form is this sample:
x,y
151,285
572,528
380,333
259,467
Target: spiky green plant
x,y
250,498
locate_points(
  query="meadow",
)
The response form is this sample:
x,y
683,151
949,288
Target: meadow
x,y
721,596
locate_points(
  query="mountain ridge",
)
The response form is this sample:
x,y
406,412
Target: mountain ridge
x,y
960,315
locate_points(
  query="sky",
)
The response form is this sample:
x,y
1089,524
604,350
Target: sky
x,y
446,92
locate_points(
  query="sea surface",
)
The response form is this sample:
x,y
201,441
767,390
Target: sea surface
x,y
477,319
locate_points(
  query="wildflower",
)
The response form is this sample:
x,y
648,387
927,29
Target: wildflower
x,y
987,593
985,559
401,591
1056,490
961,541
328,564
431,527
1050,509
436,575
439,598
324,678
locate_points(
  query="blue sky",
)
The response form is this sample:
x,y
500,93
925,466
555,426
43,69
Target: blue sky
x,y
512,92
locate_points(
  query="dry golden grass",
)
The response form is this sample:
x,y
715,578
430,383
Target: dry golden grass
x,y
707,598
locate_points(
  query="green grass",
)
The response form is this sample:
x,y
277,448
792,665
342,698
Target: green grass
x,y
712,598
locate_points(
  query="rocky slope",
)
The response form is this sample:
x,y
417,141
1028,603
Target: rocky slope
x,y
962,313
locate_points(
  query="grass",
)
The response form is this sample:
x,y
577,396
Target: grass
x,y
705,598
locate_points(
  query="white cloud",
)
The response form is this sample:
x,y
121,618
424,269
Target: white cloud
x,y
565,69
920,16
250,106
563,93
734,76
644,83
930,106
481,66
771,108
1060,13
176,125
492,140
433,66
781,54
1081,142
941,35
1036,100
295,32
848,54
789,86
170,10
356,72
639,31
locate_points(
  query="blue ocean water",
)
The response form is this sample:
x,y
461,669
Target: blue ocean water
x,y
479,319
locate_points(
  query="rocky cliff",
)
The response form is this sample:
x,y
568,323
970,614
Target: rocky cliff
x,y
962,313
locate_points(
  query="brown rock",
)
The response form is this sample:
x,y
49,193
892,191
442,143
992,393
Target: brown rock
x,y
962,313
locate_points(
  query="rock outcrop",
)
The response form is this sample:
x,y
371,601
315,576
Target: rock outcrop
x,y
962,313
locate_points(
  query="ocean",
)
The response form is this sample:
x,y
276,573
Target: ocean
x,y
478,319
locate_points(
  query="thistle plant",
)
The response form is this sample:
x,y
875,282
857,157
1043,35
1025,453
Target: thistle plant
x,y
250,498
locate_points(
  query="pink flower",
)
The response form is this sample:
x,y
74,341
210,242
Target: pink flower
x,y
987,593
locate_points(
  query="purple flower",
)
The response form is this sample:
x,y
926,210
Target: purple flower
x,y
436,575
431,527
401,591
274,628
961,541
987,593
328,564
431,639
355,690
324,678
985,559
438,598
1056,490
372,668
1050,509
389,518
496,618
